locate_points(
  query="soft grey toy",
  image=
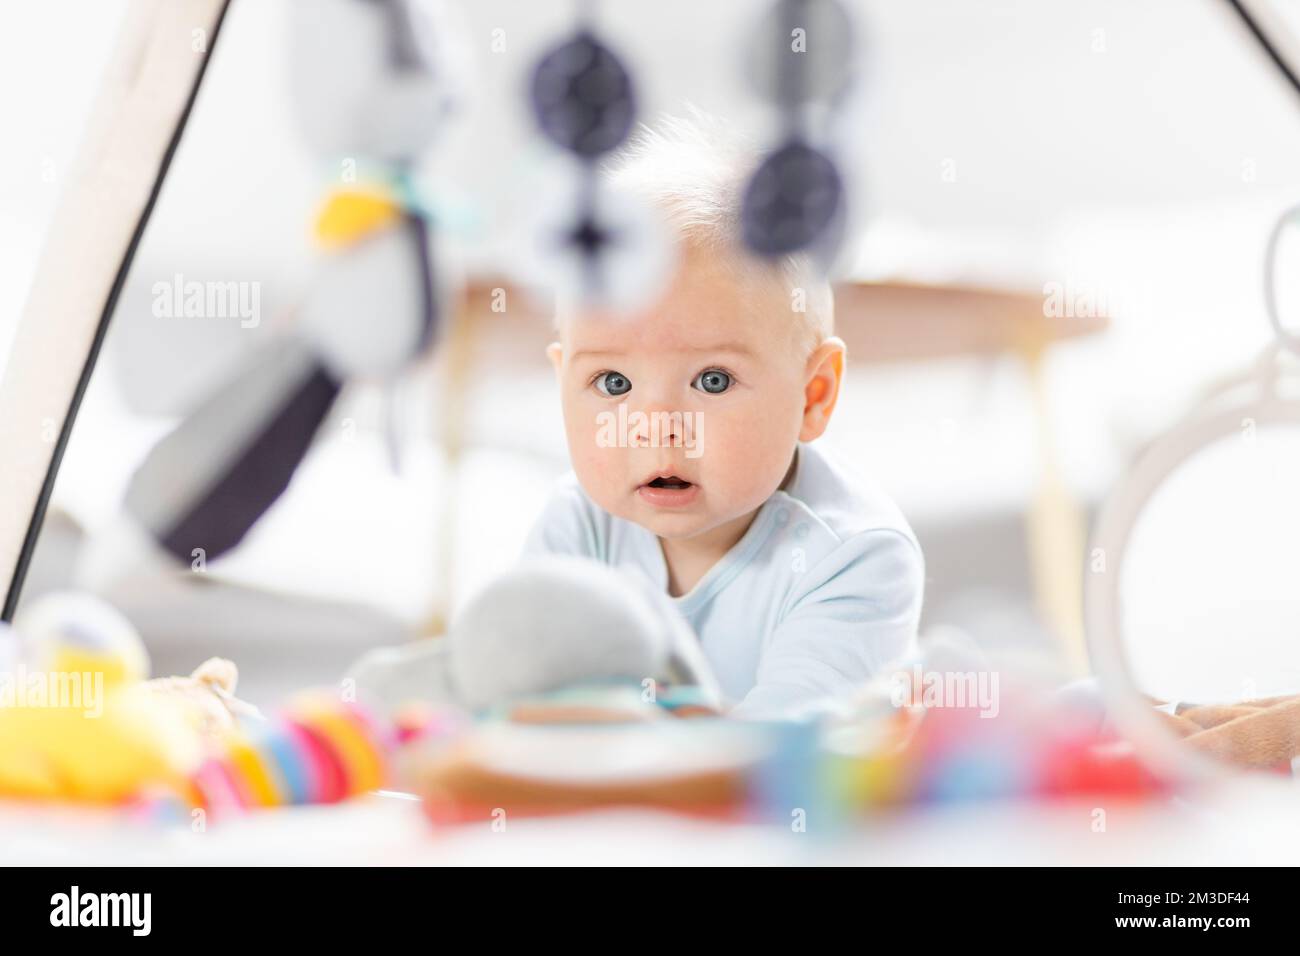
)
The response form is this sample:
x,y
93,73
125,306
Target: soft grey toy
x,y
545,625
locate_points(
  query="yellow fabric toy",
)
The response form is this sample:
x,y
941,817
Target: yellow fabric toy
x,y
351,215
137,740
78,720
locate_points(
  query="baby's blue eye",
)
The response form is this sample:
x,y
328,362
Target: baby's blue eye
x,y
612,384
712,380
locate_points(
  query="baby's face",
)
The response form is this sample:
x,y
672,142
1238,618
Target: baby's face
x,y
713,381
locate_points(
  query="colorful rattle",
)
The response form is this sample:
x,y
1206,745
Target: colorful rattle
x,y
318,750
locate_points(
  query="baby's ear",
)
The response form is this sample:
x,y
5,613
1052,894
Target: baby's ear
x,y
825,371
555,352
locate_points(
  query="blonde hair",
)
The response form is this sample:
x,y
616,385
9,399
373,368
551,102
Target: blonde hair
x,y
693,169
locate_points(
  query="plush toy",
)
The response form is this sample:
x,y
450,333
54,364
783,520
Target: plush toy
x,y
547,626
209,695
375,81
76,633
78,719
106,752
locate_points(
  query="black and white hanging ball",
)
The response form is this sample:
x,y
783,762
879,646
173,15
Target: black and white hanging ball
x,y
583,97
791,201
802,52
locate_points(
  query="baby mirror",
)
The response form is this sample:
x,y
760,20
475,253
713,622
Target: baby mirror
x,y
1192,602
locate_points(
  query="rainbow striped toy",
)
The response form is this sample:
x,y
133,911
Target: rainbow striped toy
x,y
318,749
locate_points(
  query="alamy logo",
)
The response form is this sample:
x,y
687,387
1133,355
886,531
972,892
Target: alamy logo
x,y
179,299
653,430
977,690
102,909
69,690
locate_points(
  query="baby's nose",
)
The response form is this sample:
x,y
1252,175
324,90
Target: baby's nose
x,y
657,425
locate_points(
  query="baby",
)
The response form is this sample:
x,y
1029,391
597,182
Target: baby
x,y
800,581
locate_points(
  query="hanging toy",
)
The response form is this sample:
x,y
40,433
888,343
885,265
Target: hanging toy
x,y
375,86
795,201
603,249
583,97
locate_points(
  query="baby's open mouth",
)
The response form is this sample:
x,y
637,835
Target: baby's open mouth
x,y
672,481
668,491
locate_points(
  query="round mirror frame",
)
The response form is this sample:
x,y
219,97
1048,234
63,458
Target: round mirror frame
x,y
1214,420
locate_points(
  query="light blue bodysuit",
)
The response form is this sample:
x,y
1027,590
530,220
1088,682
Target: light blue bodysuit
x,y
823,590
